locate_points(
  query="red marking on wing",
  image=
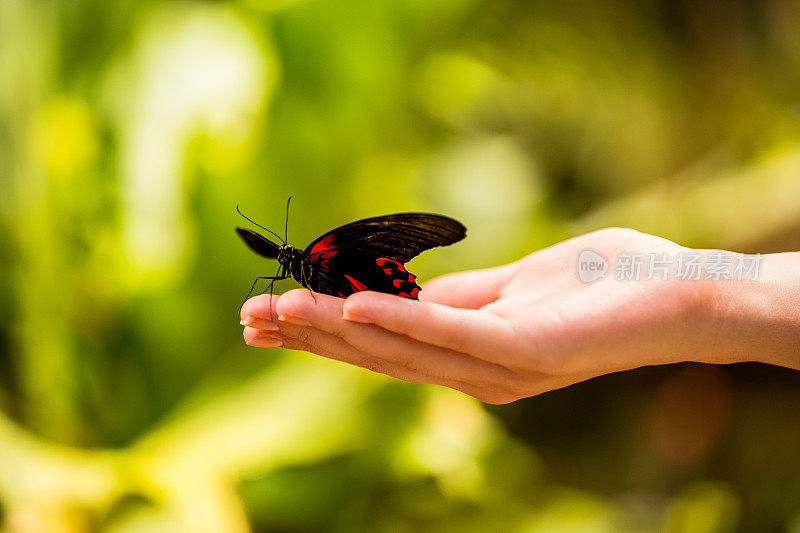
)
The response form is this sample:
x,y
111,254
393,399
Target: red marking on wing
x,y
320,259
396,277
383,260
414,292
324,244
357,285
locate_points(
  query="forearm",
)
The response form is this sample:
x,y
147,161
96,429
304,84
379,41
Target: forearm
x,y
760,320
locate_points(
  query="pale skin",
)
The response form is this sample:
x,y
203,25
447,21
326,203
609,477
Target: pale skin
x,y
531,326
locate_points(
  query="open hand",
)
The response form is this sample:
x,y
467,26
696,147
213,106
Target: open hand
x,y
507,332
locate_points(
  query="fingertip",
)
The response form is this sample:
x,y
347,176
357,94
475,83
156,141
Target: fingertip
x,y
249,334
369,306
303,303
351,317
265,324
354,308
296,302
258,306
261,338
441,289
361,302
247,308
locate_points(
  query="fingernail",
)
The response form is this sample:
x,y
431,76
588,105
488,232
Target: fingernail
x,y
259,323
355,318
265,341
296,320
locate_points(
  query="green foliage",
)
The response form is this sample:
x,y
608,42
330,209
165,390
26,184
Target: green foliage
x,y
130,130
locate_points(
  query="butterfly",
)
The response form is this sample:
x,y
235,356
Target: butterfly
x,y
368,254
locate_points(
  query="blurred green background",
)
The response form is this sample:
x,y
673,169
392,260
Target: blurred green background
x,y
130,129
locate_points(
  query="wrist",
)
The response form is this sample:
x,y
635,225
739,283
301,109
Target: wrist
x,y
759,320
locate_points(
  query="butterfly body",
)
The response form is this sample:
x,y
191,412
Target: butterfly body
x,y
367,254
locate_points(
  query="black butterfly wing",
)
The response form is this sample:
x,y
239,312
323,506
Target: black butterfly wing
x,y
401,236
369,254
258,243
342,272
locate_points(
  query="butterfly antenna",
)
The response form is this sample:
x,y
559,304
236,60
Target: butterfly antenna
x,y
259,225
286,226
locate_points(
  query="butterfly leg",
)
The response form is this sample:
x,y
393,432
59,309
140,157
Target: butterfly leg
x,y
305,283
269,288
282,273
255,281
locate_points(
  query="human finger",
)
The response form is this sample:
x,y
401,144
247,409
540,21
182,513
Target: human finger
x,y
325,313
470,331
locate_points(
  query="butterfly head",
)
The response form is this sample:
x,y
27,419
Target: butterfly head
x,y
287,254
